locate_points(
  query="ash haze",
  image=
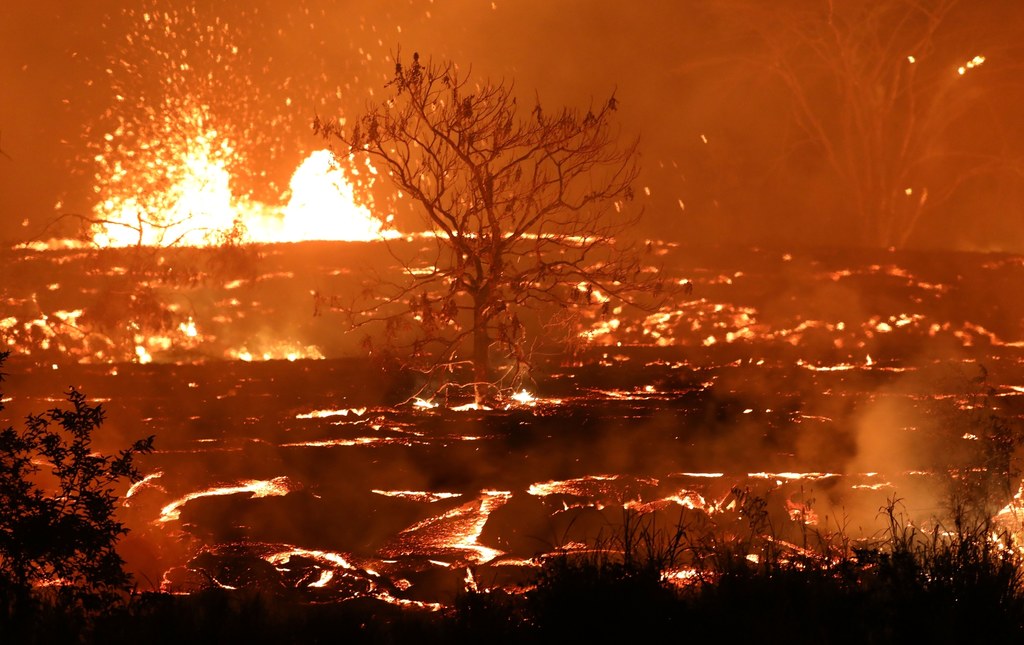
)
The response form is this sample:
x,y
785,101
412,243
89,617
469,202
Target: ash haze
x,y
728,156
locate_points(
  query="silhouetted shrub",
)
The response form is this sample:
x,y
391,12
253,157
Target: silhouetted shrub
x,y
58,529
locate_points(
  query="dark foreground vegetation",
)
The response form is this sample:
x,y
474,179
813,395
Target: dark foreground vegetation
x,y
941,586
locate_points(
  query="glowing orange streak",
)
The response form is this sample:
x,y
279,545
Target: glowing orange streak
x,y
278,486
689,499
683,577
388,598
325,576
359,441
141,483
418,496
332,558
572,486
322,414
461,527
791,476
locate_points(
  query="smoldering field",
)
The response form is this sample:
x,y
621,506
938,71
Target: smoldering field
x,y
828,382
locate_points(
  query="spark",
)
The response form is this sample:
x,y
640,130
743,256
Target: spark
x,y
969,65
523,397
188,328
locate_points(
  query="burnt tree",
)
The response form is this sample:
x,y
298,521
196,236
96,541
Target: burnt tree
x,y
523,210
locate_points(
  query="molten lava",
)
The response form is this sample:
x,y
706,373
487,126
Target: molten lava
x,y
188,200
323,206
258,488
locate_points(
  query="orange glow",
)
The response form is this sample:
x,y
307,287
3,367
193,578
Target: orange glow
x,y
582,486
259,488
170,194
792,476
458,529
323,206
145,482
276,351
969,65
327,557
322,414
417,496
523,398
186,197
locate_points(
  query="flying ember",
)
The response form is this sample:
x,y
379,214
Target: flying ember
x,y
179,153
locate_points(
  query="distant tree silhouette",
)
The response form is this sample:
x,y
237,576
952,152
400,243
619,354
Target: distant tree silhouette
x,y
526,211
57,505
891,97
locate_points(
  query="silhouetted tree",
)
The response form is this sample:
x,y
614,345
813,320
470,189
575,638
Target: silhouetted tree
x,y
893,99
525,211
57,504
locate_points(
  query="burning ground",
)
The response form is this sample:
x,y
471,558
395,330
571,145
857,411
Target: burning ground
x,y
826,382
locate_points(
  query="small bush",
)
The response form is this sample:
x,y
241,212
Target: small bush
x,y
58,529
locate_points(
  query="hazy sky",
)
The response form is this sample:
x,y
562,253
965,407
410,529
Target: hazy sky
x,y
724,156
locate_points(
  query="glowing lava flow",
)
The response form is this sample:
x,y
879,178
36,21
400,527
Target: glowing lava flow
x,y
142,483
258,487
417,496
457,529
323,414
325,557
587,485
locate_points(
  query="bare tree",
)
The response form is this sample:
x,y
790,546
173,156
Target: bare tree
x,y
524,211
885,93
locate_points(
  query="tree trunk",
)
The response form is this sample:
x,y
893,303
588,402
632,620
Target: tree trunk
x,y
481,344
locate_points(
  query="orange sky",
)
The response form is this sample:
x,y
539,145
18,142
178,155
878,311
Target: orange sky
x,y
725,160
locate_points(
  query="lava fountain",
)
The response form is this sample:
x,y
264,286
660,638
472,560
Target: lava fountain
x,y
182,154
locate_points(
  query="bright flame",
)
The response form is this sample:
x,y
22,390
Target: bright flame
x,y
328,557
323,205
185,198
523,397
142,355
189,328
